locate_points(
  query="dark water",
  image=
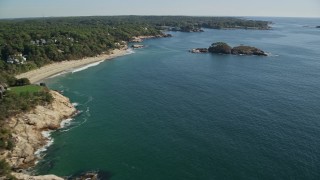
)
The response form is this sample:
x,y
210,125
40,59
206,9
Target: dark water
x,y
163,113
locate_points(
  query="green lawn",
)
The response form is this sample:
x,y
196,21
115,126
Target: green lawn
x,y
27,88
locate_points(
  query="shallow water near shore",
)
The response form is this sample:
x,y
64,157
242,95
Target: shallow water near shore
x,y
164,113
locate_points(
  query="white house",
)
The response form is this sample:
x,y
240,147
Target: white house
x,y
17,59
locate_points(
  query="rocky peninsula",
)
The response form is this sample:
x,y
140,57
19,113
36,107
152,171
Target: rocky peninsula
x,y
27,132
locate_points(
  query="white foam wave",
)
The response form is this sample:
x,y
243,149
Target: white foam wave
x,y
65,123
75,104
272,55
49,142
75,125
86,67
78,112
59,74
130,51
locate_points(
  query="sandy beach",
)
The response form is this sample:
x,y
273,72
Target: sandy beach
x,y
49,70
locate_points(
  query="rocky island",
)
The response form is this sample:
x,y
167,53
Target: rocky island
x,y
224,48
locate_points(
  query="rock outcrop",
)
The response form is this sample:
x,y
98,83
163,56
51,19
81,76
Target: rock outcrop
x,y
199,50
28,177
220,48
27,128
247,50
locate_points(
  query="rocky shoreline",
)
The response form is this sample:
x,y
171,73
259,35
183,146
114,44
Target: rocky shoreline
x,y
27,133
139,39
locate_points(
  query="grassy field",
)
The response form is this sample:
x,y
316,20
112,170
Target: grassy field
x,y
27,88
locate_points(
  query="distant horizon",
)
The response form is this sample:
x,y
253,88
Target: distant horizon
x,y
12,9
36,17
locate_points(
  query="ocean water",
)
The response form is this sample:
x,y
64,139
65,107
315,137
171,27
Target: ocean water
x,y
164,113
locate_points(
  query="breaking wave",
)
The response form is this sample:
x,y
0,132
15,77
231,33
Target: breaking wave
x,y
49,142
86,67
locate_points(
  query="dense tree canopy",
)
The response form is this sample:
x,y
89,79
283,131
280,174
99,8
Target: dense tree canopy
x,y
220,47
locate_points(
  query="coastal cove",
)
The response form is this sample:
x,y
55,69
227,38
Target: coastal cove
x,y
67,66
164,113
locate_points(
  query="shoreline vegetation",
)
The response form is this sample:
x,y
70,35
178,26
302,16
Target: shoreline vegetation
x,y
49,46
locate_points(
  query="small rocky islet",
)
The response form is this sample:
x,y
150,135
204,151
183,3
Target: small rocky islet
x,y
224,48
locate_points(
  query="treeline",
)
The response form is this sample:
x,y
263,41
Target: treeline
x,y
178,21
186,22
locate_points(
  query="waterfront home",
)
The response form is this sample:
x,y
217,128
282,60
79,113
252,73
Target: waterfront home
x,y
17,59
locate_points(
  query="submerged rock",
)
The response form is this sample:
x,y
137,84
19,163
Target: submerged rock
x,y
88,175
91,175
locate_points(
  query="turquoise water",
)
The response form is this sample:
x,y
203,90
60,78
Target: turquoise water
x,y
164,113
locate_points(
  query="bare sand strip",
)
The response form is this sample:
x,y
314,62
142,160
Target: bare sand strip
x,y
56,68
